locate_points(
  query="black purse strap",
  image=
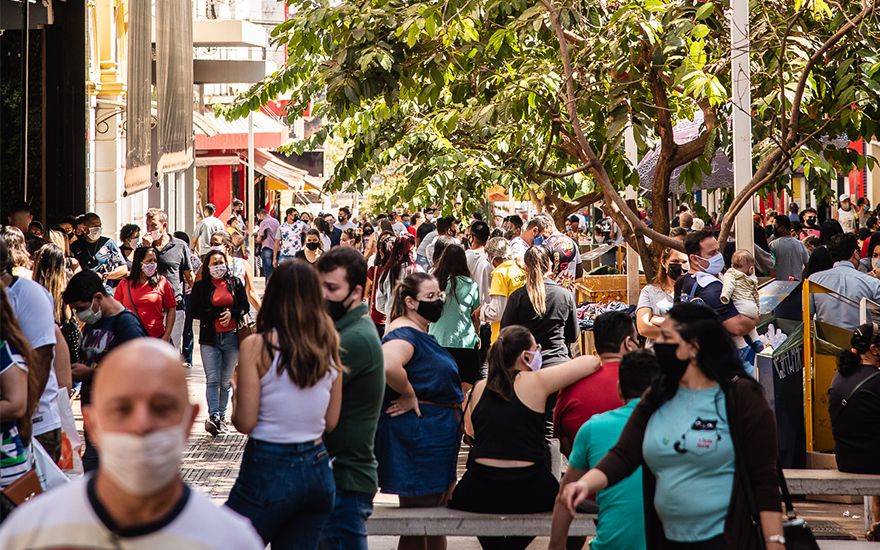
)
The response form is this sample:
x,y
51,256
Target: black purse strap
x,y
786,496
845,401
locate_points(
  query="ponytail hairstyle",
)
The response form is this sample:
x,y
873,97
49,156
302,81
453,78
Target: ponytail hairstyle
x,y
408,287
10,332
537,263
863,337
503,357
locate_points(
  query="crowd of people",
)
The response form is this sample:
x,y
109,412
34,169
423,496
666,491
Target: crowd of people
x,y
383,347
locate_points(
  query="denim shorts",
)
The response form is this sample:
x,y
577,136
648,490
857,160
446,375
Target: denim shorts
x,y
286,490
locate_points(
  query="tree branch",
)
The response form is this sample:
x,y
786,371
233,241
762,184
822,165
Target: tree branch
x,y
588,155
794,117
558,175
689,151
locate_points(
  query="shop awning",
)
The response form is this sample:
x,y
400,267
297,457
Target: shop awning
x,y
283,173
269,133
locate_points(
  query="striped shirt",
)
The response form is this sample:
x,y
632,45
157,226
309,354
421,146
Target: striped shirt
x,y
13,454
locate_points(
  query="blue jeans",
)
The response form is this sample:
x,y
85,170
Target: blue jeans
x,y
219,361
266,256
747,356
347,527
188,338
286,491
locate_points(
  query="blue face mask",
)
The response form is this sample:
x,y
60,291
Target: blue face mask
x,y
406,224
716,264
538,241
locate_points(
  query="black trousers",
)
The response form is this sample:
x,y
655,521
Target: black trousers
x,y
484,489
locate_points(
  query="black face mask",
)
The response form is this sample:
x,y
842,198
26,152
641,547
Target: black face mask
x,y
670,365
674,271
810,222
431,311
337,310
313,246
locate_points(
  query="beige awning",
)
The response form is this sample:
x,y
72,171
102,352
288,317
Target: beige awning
x,y
296,179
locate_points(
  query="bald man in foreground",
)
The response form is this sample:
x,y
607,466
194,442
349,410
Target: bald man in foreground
x,y
140,419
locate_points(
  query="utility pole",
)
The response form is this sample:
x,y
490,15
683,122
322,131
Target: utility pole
x,y
742,121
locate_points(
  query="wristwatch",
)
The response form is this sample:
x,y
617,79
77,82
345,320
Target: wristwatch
x,y
777,538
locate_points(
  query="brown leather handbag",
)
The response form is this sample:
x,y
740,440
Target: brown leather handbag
x,y
21,490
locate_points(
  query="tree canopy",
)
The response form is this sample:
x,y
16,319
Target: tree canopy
x,y
461,95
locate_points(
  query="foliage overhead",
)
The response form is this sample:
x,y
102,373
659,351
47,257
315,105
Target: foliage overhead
x,y
461,95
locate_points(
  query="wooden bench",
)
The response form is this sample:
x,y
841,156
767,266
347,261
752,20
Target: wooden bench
x,y
833,482
394,521
390,520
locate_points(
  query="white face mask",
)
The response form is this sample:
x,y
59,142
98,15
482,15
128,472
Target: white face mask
x,y
217,271
143,465
94,233
156,234
149,269
875,263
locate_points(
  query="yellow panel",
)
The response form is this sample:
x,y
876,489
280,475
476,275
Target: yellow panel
x,y
826,366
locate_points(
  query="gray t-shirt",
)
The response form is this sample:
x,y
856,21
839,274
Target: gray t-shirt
x,y
204,229
657,300
789,258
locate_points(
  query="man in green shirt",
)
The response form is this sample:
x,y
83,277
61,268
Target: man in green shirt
x,y
343,273
621,511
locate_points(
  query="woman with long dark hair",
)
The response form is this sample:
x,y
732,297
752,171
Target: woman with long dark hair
x,y
455,329
543,307
703,428
854,407
148,295
219,302
417,438
399,264
384,244
657,297
507,472
289,393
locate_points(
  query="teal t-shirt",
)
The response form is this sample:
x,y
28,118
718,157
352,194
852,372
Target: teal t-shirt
x,y
455,329
688,447
621,510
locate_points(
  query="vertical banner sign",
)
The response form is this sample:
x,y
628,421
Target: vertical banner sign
x,y
174,83
137,101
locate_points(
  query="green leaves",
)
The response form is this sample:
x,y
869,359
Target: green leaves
x,y
705,11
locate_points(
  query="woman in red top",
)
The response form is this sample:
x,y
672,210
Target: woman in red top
x,y
219,301
148,294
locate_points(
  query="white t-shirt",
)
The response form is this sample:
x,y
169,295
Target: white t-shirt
x,y
481,271
71,517
847,219
34,309
399,229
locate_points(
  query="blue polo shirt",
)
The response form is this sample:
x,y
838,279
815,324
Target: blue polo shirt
x,y
621,510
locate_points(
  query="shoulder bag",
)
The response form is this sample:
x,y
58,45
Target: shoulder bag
x,y
798,535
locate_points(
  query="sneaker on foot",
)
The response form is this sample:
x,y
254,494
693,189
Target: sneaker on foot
x,y
211,426
187,365
224,427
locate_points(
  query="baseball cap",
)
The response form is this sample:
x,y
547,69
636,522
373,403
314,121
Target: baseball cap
x,y
843,197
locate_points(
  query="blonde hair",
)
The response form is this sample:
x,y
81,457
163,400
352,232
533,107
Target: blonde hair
x,y
50,271
537,263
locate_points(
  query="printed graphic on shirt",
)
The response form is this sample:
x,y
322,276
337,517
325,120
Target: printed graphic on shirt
x,y
700,439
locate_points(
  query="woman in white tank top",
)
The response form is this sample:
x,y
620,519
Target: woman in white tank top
x,y
289,393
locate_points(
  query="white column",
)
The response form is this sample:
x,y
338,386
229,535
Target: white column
x,y
109,163
632,255
742,123
250,189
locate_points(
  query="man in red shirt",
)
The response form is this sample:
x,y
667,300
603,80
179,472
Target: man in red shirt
x,y
615,335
